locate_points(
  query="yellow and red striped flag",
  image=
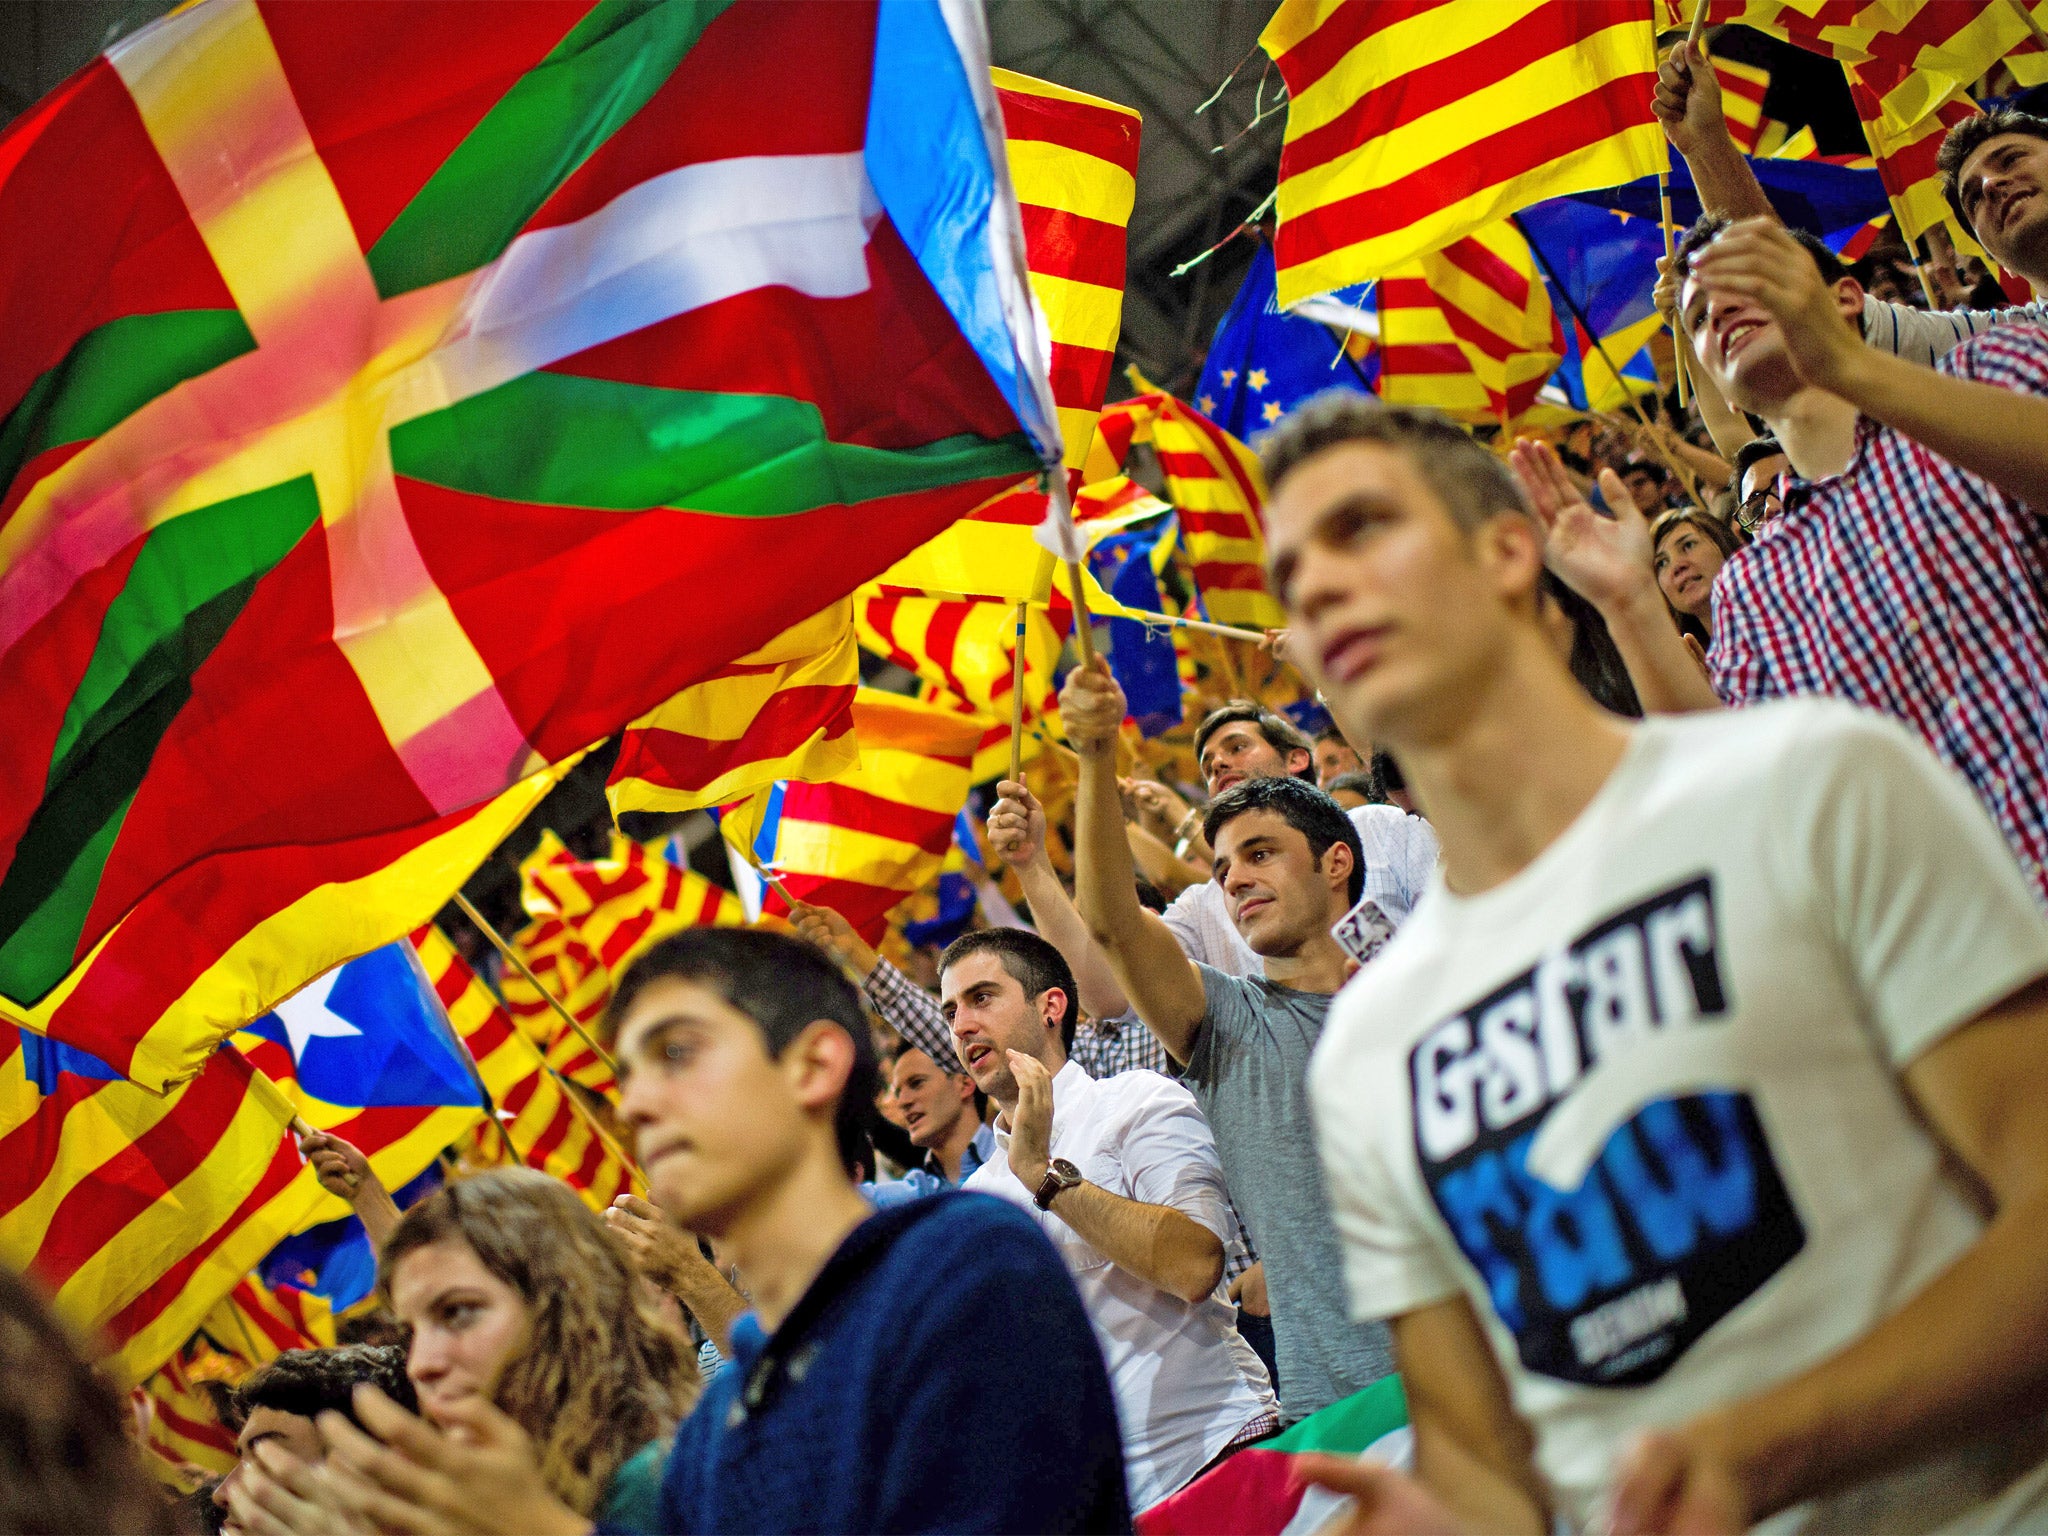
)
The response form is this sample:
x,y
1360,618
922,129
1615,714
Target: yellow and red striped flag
x,y
966,651
1411,125
782,712
1074,164
139,1211
539,1120
1927,50
1743,88
1215,483
1906,157
862,843
1469,329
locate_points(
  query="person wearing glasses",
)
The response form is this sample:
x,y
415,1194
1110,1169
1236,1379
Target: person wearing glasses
x,y
1758,464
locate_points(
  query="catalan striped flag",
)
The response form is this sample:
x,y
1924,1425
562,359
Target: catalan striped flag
x,y
1743,88
311,546
1074,162
862,843
1214,482
1926,50
965,651
781,712
364,1052
1409,126
139,1211
539,1121
618,905
1475,313
185,1428
1906,157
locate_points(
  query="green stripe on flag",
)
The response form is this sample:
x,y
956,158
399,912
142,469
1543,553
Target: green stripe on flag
x,y
1350,1424
189,583
562,440
553,119
113,371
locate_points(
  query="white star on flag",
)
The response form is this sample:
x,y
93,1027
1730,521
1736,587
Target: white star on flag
x,y
306,1016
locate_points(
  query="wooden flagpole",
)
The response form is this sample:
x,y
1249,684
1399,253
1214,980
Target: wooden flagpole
x,y
1017,702
484,924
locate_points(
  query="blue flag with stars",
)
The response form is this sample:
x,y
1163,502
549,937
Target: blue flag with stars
x,y
1263,362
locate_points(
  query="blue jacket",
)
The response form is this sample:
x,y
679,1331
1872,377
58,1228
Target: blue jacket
x,y
938,1375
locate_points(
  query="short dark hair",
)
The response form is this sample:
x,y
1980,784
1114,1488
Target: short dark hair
x,y
308,1382
784,985
1763,446
1333,732
1360,781
1303,807
1387,771
1033,963
1970,135
1466,476
1281,733
1710,226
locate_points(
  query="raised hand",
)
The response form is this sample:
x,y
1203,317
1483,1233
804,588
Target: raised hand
x,y
1606,560
1016,827
834,934
1092,708
1160,810
339,1166
1688,101
660,1249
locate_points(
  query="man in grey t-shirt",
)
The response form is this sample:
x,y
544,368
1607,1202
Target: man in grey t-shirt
x,y
1288,864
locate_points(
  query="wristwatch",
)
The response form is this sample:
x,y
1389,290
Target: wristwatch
x,y
1059,1174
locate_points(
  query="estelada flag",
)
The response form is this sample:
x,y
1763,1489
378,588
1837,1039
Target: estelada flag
x,y
397,405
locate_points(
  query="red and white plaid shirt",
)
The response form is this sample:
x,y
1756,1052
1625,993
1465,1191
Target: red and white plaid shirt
x,y
1912,587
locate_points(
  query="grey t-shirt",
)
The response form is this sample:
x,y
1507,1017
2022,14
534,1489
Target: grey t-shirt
x,y
1249,1071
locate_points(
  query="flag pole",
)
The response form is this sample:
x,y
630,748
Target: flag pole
x,y
1670,253
1062,507
498,939
1599,345
1017,703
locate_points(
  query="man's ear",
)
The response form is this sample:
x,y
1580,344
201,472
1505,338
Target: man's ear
x,y
1510,546
818,1062
1336,865
1296,760
1849,301
1052,1007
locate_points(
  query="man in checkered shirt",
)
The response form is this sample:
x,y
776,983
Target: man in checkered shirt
x,y
1909,571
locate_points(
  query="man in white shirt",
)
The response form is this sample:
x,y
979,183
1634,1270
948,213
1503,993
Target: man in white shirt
x,y
1693,1134
1122,1175
1243,741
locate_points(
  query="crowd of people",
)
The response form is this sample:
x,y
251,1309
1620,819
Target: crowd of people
x,y
1623,1023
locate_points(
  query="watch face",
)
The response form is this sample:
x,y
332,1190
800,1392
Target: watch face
x,y
1067,1172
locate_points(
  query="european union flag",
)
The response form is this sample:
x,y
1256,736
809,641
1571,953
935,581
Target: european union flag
x,y
1140,656
371,1033
1263,362
1808,194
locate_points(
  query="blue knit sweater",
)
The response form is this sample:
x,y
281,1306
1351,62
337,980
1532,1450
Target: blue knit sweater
x,y
939,1375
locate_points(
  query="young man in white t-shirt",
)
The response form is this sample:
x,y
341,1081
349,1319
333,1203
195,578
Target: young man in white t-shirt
x,y
1693,1132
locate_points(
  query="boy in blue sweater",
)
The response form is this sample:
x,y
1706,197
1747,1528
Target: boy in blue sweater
x,y
926,1368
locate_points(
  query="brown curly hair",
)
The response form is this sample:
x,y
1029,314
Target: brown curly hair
x,y
600,1374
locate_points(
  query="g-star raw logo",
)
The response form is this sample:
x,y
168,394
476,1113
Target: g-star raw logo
x,y
1608,1258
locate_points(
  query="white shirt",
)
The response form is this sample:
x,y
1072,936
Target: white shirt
x,y
1400,856
1185,1381
1922,336
1641,1102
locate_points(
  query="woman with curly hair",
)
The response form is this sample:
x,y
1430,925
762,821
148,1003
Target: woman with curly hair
x,y
514,1290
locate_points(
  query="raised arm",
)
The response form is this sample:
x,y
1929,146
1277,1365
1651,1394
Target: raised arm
x,y
343,1170
1157,977
1607,561
669,1256
1688,104
1999,434
1016,831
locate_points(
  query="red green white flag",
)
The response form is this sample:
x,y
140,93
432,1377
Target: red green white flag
x,y
399,398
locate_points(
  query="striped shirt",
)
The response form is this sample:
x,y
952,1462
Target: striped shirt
x,y
1912,587
1924,336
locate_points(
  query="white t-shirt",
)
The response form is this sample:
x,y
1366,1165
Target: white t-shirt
x,y
1642,1101
1186,1382
1400,857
